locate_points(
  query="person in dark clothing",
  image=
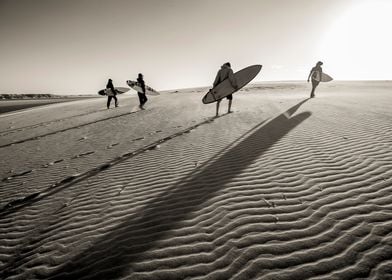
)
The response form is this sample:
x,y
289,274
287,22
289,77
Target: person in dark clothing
x,y
111,93
315,74
142,95
225,73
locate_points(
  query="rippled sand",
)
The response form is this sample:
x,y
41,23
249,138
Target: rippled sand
x,y
285,187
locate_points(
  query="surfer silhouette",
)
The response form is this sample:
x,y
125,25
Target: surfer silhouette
x,y
225,73
315,74
142,95
111,94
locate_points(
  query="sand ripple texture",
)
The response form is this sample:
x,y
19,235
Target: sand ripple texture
x,y
283,188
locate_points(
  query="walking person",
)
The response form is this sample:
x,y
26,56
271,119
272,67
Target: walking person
x,y
225,73
315,74
111,93
142,95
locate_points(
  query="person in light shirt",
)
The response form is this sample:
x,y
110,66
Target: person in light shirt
x,y
315,74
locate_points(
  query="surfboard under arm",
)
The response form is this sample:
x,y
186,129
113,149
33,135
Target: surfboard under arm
x,y
225,88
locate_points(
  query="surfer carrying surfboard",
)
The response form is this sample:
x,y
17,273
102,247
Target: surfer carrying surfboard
x,y
225,73
315,73
142,95
111,93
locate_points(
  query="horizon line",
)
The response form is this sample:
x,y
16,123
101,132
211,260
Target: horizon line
x,y
209,86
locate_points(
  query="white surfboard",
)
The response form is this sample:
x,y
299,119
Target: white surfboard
x,y
108,91
324,77
136,86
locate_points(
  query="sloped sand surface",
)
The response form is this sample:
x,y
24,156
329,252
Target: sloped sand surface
x,y
285,187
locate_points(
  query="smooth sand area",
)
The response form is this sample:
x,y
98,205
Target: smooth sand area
x,y
286,187
16,105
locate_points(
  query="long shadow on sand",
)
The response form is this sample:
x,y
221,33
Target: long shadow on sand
x,y
112,255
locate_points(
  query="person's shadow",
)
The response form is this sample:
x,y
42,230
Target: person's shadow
x,y
113,254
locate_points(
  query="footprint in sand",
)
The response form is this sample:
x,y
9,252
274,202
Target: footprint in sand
x,y
138,139
122,188
83,154
18,175
267,202
112,145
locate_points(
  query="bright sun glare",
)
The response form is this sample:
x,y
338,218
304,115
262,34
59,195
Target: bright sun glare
x,y
358,45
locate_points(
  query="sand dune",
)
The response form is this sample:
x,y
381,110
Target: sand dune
x,y
286,187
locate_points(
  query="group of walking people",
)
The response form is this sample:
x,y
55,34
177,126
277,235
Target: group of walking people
x,y
113,93
225,72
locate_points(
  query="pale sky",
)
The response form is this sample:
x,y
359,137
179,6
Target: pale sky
x,y
74,46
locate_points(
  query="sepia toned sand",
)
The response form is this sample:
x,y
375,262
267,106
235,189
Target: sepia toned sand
x,y
285,187
9,105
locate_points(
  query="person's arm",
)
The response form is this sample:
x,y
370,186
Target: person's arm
x,y
310,74
143,86
217,79
232,79
113,89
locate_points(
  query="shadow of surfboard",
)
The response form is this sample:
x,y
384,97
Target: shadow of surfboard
x,y
112,255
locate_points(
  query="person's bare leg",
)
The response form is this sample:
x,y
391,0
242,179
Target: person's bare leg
x,y
229,109
312,92
314,85
217,108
